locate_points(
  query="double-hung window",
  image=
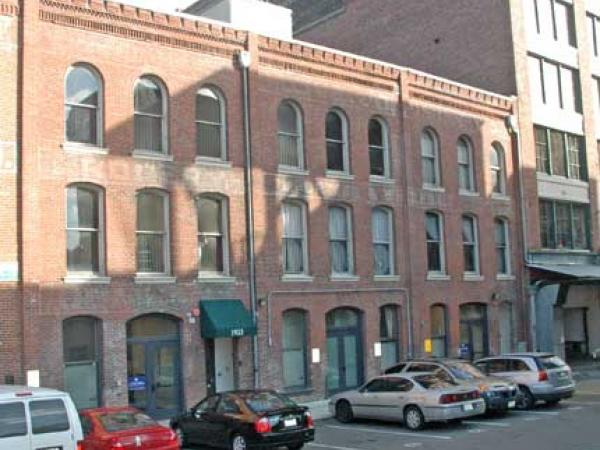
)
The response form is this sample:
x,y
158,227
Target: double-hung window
x,y
83,106
150,105
289,134
498,169
430,164
502,246
210,124
152,232
294,238
466,176
435,243
378,148
383,248
389,335
340,241
212,235
336,134
470,245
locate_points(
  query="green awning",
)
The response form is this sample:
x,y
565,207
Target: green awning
x,y
225,319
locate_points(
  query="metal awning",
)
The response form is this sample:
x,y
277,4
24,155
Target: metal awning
x,y
225,319
579,272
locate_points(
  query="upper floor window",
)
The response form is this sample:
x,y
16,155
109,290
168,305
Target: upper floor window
x,y
466,177
594,33
554,85
378,148
383,245
210,124
150,105
212,235
430,156
340,241
295,252
552,19
560,153
502,246
85,234
470,244
498,169
289,133
435,242
336,134
564,225
152,232
83,106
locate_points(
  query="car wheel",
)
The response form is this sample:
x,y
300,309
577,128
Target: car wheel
x,y
295,447
552,402
180,436
238,442
413,418
343,411
524,399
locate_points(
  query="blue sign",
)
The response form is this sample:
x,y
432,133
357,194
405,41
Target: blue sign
x,y
137,383
464,351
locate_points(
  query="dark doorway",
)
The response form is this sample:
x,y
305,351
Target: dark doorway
x,y
473,331
344,350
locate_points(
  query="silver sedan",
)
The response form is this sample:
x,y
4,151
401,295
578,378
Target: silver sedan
x,y
414,399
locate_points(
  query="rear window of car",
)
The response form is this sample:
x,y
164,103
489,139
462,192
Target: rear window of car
x,y
48,416
433,382
550,362
124,420
465,371
12,420
261,402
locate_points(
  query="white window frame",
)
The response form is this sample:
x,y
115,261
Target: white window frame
x,y
472,188
224,207
436,158
385,149
349,242
440,222
305,266
389,242
166,235
345,145
99,107
474,244
506,247
222,126
299,136
501,169
594,33
164,117
101,231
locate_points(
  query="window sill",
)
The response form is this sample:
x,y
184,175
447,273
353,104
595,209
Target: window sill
x,y
289,170
297,278
343,277
154,279
505,277
215,278
386,278
429,187
339,175
86,279
376,179
437,276
83,149
473,277
213,162
502,197
465,193
155,156
559,179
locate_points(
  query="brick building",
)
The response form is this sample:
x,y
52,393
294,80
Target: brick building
x,y
379,209
547,53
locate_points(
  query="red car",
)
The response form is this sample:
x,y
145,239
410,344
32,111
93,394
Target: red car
x,y
124,428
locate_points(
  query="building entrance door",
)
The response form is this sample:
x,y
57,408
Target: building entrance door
x,y
224,374
474,331
344,350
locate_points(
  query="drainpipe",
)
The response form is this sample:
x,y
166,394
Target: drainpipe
x,y
244,58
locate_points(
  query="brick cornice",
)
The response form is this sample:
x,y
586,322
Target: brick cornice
x,y
8,9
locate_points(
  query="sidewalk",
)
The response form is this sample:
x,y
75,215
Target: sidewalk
x,y
319,409
586,370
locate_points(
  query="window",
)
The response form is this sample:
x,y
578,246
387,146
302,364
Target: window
x,y
48,416
212,235
554,85
564,225
435,244
84,230
336,133
497,168
12,420
516,365
83,111
289,120
552,19
295,367
502,248
150,106
430,159
378,148
389,335
340,241
466,179
294,238
560,154
228,405
210,124
594,33
383,241
470,245
439,343
152,232
422,367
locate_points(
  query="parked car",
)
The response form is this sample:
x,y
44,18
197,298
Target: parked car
x,y
124,427
38,418
238,420
499,394
411,398
539,376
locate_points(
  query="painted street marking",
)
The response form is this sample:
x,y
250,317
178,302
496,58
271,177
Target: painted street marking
x,y
476,431
532,419
540,413
333,447
395,433
487,424
413,445
575,408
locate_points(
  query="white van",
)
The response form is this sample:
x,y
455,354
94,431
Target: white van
x,y
38,418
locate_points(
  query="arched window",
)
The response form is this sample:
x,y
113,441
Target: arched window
x,y
435,243
336,134
466,178
502,246
289,132
85,230
213,242
430,155
295,248
150,106
389,335
470,244
378,148
340,241
83,106
439,340
295,349
152,232
498,169
210,124
383,241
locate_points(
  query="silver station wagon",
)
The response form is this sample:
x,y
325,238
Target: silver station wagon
x,y
414,399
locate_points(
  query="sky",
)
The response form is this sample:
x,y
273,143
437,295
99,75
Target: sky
x,y
159,5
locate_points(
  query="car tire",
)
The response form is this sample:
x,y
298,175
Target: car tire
x,y
295,447
525,399
238,442
413,418
552,402
183,442
343,411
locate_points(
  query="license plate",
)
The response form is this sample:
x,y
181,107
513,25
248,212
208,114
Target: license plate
x,y
290,422
468,407
512,404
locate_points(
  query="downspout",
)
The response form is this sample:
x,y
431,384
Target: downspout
x,y
244,58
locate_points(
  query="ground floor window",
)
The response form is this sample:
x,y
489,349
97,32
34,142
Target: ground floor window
x,y
439,343
294,349
389,336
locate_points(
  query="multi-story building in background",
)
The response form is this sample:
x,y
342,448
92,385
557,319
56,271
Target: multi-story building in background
x,y
190,207
547,53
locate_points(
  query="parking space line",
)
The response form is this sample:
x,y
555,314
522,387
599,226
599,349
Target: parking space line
x,y
540,413
395,433
575,408
333,447
487,424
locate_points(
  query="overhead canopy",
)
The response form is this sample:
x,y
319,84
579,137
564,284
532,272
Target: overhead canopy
x,y
225,319
581,272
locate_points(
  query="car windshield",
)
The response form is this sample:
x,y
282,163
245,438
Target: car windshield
x,y
124,420
551,362
465,371
261,402
432,381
